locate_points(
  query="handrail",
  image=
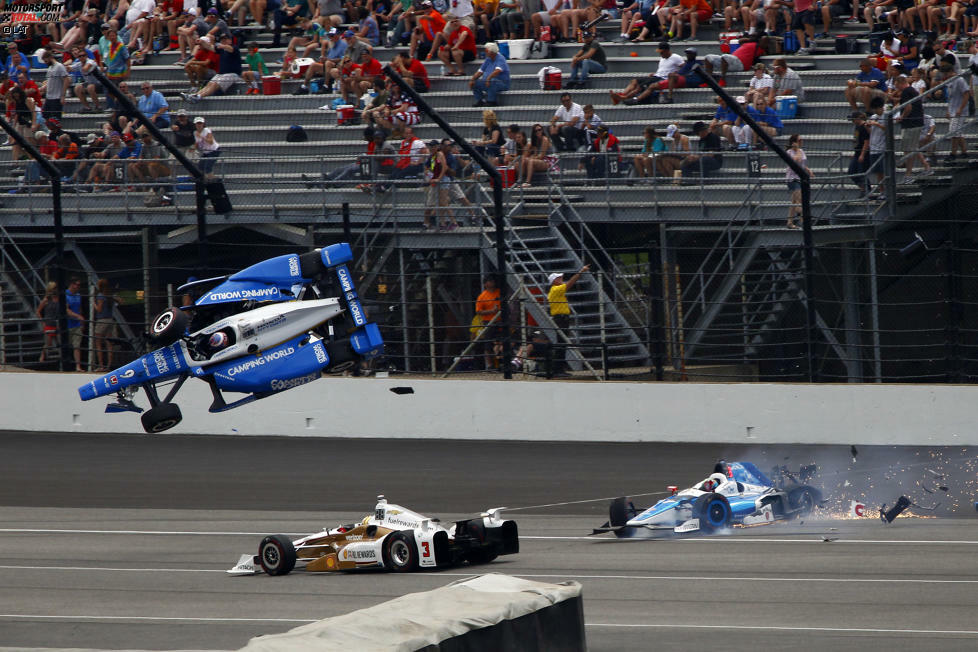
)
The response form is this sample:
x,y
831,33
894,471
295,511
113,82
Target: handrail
x,y
7,247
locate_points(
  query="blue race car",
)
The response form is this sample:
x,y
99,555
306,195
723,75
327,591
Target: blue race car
x,y
273,326
735,493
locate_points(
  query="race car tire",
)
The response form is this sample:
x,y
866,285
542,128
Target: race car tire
x,y
713,511
162,417
478,557
311,264
400,553
620,512
276,554
802,501
169,326
341,356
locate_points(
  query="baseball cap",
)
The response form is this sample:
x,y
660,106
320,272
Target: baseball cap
x,y
332,31
690,51
54,122
40,52
115,134
553,277
199,118
671,130
182,112
740,99
128,137
212,11
192,11
39,133
348,33
91,138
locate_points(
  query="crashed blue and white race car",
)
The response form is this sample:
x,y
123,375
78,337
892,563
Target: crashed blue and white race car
x,y
735,493
278,324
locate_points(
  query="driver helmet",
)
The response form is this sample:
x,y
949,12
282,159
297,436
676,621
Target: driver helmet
x,y
709,484
218,340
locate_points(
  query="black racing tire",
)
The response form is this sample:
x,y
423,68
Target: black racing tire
x,y
802,501
713,511
341,356
276,554
618,512
169,326
479,557
162,417
311,264
400,552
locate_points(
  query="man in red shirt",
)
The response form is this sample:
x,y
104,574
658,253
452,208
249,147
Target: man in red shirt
x,y
427,35
362,79
413,71
750,50
605,157
204,63
412,154
459,48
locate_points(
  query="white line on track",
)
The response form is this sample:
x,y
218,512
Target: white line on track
x,y
866,630
677,578
160,618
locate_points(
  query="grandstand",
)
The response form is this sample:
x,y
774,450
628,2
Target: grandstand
x,y
737,268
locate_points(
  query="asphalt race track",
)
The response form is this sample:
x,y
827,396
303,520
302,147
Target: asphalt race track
x,y
113,541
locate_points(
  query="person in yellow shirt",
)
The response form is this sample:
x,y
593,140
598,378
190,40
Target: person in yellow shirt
x,y
560,311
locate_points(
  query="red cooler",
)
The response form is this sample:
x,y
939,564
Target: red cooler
x,y
508,175
344,114
551,81
271,85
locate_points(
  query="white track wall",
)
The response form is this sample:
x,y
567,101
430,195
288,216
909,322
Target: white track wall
x,y
536,410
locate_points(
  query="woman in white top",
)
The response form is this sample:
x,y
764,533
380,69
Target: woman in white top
x,y
794,181
206,146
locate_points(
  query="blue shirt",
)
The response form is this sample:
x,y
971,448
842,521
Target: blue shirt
x,y
150,105
489,65
73,302
769,117
337,51
15,60
874,74
131,150
692,78
373,32
725,114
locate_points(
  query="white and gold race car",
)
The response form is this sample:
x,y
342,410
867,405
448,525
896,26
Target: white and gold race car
x,y
394,538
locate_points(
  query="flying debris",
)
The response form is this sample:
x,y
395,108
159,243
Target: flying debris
x,y
929,509
939,476
887,515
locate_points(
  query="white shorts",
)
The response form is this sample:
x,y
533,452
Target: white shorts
x,y
955,125
544,17
226,81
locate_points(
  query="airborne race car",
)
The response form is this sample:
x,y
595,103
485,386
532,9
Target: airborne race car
x,y
268,328
394,538
735,493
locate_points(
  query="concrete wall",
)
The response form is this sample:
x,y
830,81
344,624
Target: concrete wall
x,y
535,410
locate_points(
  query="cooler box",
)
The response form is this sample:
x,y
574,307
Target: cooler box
x,y
344,114
508,175
518,48
551,81
503,49
271,85
37,64
300,65
787,107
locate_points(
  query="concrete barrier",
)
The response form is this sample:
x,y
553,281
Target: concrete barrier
x,y
533,410
489,612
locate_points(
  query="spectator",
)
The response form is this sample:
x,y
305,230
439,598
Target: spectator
x,y
709,159
785,83
870,83
429,27
228,71
33,172
183,131
30,89
256,69
492,141
47,312
25,117
151,166
911,121
590,123
193,28
436,195
456,195
507,20
589,60
312,38
639,15
88,88
560,312
363,77
838,10
928,143
645,163
115,60
761,83
684,77
73,305
766,118
55,86
491,79
17,62
66,155
332,55
693,12
877,144
378,107
206,145
516,144
153,106
723,120
413,154
85,30
94,144
131,149
535,156
367,28
602,149
403,111
203,64
740,132
487,306
287,15
958,96
550,17
917,80
566,125
537,350
459,47
797,154
638,90
803,24
413,72
329,13
859,162
105,328
751,48
482,14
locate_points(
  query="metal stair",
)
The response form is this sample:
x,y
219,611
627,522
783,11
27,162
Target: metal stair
x,y
21,289
604,321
